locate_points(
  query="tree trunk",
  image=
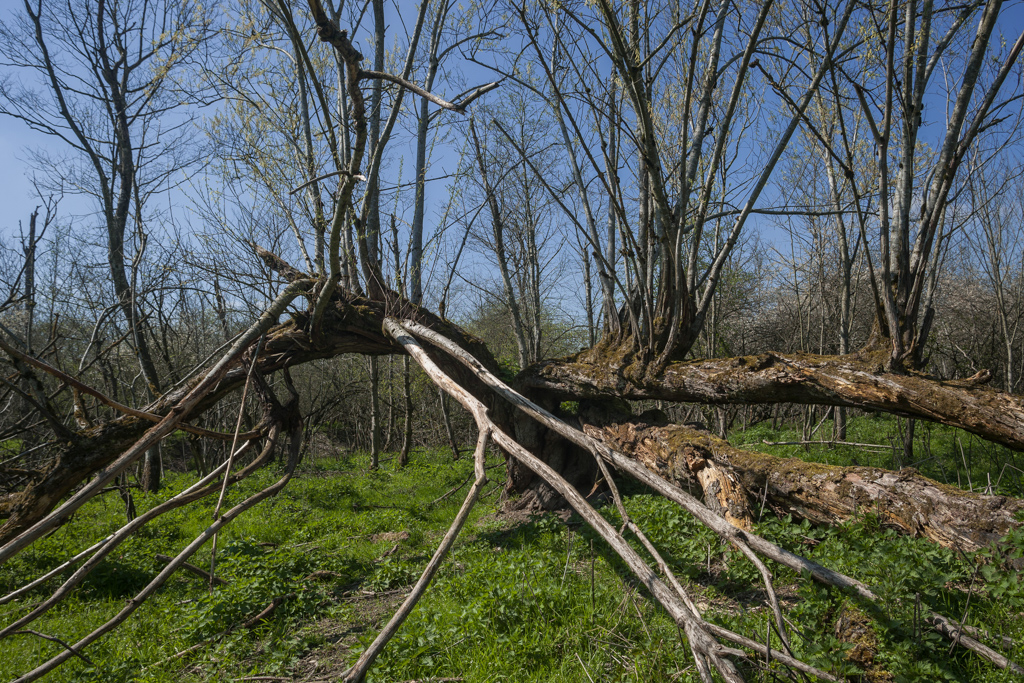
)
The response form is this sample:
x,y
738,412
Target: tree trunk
x,y
857,381
452,441
374,414
151,471
403,457
741,485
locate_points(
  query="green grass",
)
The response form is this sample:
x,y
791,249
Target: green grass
x,y
943,453
534,600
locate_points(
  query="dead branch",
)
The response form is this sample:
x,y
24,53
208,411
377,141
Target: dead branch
x,y
248,624
854,381
106,400
459,107
174,565
254,620
358,670
707,652
197,491
825,443
166,425
201,573
53,572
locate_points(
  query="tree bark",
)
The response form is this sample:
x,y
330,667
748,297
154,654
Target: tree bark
x,y
741,485
374,413
403,456
857,381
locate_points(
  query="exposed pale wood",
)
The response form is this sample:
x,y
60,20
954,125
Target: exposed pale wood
x,y
824,494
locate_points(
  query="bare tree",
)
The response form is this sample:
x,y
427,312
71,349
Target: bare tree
x,y
997,238
108,94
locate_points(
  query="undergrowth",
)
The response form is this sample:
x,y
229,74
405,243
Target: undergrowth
x,y
530,599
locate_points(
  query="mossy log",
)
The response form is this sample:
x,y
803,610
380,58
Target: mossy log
x,y
740,484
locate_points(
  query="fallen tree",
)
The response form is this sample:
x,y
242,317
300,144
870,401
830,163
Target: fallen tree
x,y
551,460
740,485
733,482
721,520
858,380
351,324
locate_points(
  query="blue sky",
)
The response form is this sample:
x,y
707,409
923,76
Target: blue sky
x,y
17,198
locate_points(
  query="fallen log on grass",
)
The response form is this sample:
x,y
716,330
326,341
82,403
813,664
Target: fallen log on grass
x,y
856,380
740,484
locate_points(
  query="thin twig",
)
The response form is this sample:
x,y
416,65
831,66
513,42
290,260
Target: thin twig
x,y
325,176
106,400
57,640
202,573
231,454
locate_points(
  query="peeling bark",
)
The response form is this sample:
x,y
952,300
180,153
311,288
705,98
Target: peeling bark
x,y
741,481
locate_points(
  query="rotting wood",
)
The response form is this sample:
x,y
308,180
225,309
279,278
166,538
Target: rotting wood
x,y
823,494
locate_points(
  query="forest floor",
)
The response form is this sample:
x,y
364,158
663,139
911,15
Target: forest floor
x,y
520,598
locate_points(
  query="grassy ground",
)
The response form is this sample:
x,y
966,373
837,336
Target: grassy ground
x,y
943,453
520,599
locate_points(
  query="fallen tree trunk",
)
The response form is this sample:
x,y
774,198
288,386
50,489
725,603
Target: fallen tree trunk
x,y
856,380
738,483
747,542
